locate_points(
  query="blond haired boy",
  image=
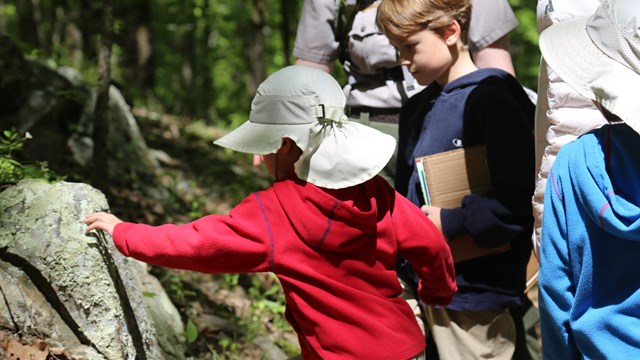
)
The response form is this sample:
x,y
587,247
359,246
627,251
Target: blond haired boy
x,y
464,106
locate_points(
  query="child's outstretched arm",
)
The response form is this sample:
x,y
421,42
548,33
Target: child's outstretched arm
x,y
101,221
236,243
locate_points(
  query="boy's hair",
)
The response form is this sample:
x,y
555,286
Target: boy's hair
x,y
399,19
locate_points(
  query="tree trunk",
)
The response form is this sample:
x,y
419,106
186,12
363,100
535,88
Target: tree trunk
x,y
286,31
189,62
28,23
68,33
87,26
207,80
100,118
144,78
135,39
3,20
256,48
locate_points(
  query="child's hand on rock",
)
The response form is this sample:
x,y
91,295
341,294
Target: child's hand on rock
x,y
101,221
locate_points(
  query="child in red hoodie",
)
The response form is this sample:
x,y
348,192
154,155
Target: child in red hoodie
x,y
328,227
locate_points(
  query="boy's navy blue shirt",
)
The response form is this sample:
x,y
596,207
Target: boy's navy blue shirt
x,y
489,107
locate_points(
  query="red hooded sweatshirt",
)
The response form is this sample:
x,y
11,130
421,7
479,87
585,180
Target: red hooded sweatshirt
x,y
334,252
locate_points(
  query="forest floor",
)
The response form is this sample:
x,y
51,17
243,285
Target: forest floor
x,y
226,316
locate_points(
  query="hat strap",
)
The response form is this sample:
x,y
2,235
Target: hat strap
x,y
336,114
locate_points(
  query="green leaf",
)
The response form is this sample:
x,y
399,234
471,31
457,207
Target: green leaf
x,y
191,332
149,294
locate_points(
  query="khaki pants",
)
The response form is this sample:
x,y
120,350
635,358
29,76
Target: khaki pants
x,y
467,335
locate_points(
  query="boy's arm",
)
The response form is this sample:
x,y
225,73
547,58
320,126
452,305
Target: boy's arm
x,y
496,55
556,288
233,243
425,248
315,39
496,119
491,23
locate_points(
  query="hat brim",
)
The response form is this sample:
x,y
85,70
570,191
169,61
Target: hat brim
x,y
353,154
568,50
333,156
261,139
572,55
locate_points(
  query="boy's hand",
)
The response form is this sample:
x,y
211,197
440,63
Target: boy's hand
x,y
257,160
101,221
434,215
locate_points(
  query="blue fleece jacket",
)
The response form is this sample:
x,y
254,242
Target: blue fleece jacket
x,y
589,285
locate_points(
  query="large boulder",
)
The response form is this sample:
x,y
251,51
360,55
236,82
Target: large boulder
x,y
56,105
38,99
75,290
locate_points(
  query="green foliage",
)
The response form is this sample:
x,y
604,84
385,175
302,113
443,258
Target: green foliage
x,y
524,43
231,279
200,65
191,332
149,294
266,304
230,348
264,316
177,288
11,169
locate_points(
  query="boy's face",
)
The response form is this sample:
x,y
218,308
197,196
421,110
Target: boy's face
x,y
426,54
282,163
269,162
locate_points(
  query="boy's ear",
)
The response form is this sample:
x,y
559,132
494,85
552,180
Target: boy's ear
x,y
290,147
452,33
287,145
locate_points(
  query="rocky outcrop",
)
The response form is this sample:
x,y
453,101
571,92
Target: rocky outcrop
x,y
56,105
75,290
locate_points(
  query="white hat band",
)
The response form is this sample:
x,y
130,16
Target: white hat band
x,y
300,109
269,109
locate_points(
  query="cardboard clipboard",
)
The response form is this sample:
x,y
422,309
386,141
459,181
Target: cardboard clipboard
x,y
447,177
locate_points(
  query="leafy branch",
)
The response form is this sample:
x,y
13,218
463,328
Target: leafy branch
x,y
11,169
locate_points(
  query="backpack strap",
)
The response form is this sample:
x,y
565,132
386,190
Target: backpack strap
x,y
345,14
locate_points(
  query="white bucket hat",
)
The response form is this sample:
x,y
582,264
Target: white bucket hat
x,y
306,105
599,56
